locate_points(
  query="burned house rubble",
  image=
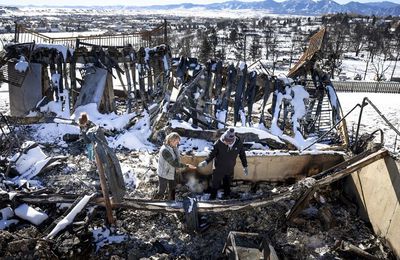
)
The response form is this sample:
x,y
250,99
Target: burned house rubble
x,y
311,192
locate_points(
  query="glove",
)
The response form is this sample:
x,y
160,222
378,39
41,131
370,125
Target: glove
x,y
245,171
202,164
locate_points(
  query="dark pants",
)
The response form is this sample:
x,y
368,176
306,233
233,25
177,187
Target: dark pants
x,y
216,183
162,186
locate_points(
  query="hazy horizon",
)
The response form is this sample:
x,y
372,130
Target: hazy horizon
x,y
140,2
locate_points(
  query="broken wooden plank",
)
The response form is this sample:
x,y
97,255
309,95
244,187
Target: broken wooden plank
x,y
356,251
213,135
104,189
70,217
191,214
336,173
38,120
59,219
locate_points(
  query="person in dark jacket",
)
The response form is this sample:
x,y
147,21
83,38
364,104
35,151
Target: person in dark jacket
x,y
224,154
168,161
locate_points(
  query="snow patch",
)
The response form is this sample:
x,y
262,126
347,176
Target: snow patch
x,y
30,214
22,65
103,236
70,217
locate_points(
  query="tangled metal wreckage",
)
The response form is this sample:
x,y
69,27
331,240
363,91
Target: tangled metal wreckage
x,y
211,97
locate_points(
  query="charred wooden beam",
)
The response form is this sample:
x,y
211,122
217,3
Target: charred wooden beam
x,y
356,251
203,206
38,120
334,174
191,214
153,205
104,189
56,221
213,135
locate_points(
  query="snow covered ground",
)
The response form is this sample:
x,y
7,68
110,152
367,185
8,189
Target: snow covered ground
x,y
371,121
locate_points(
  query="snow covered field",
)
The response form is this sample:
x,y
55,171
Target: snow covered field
x,y
371,121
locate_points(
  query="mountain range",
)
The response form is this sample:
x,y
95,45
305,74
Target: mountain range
x,y
298,7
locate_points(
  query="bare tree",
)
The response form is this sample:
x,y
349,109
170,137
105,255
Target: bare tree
x,y
336,40
375,43
214,41
255,48
396,48
359,37
205,49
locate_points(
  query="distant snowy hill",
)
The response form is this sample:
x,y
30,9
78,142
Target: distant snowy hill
x,y
300,7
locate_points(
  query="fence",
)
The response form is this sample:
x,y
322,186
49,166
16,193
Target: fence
x,y
369,86
138,39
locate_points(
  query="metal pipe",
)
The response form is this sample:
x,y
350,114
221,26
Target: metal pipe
x,y
365,100
363,104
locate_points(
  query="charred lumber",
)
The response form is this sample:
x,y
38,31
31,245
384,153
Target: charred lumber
x,y
153,205
213,135
128,92
122,82
336,173
56,221
67,220
204,206
191,214
120,93
104,189
187,89
242,245
208,116
108,163
355,251
38,120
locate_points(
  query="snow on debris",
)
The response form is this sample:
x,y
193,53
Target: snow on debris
x,y
104,236
110,121
61,48
53,133
25,161
5,218
70,217
21,65
30,214
185,125
7,223
29,164
195,146
136,137
129,176
262,134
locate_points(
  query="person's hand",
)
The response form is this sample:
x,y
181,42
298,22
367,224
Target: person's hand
x,y
191,167
245,171
202,164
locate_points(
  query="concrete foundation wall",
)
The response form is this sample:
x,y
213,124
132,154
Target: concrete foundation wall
x,y
276,168
376,189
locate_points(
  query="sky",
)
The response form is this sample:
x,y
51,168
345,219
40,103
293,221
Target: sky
x,y
139,2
